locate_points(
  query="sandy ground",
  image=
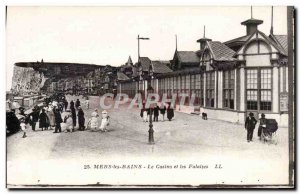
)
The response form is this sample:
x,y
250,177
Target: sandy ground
x,y
185,138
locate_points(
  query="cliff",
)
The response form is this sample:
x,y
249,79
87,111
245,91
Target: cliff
x,y
26,80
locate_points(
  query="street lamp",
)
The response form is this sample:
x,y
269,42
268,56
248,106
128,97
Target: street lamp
x,y
151,131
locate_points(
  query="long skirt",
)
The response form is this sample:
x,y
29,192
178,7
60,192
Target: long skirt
x,y
51,118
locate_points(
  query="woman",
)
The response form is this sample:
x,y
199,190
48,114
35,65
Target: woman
x,y
50,114
170,112
44,120
262,125
81,119
73,111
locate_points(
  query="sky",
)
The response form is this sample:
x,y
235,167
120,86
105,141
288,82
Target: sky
x,y
108,35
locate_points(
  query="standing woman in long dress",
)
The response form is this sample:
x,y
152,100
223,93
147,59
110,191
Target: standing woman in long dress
x,y
51,117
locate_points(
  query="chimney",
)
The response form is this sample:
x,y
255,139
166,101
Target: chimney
x,y
203,40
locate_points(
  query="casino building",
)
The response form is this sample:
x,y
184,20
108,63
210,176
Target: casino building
x,y
230,79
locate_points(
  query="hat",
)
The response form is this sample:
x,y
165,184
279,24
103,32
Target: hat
x,y
104,112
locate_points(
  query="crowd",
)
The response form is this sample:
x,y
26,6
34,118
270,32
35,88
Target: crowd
x,y
156,111
56,114
49,117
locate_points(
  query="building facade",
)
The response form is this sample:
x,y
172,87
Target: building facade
x,y
246,74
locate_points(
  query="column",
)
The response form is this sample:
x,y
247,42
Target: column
x,y
220,89
216,89
287,78
242,88
281,78
235,89
204,89
275,91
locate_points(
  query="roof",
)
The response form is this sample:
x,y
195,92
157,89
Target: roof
x,y
252,21
160,67
220,51
129,60
188,57
145,63
282,40
188,71
241,40
122,76
269,40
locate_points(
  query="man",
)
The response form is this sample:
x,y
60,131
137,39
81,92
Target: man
x,y
163,111
58,121
77,104
72,104
66,104
250,126
34,117
156,113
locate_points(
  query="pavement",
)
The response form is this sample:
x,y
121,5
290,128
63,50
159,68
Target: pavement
x,y
185,137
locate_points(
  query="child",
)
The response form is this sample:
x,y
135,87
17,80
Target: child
x,y
69,121
93,121
105,121
23,126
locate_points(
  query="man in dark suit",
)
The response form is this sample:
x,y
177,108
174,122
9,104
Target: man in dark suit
x,y
250,126
58,121
156,113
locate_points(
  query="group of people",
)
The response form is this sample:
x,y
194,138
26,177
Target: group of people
x,y
264,132
49,117
155,111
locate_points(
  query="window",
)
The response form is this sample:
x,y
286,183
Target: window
x,y
259,89
228,86
266,89
210,92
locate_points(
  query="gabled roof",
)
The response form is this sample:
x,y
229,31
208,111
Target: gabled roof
x,y
145,63
269,40
282,41
160,67
220,51
122,76
188,56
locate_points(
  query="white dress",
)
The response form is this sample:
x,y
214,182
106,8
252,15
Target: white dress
x,y
94,120
104,122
